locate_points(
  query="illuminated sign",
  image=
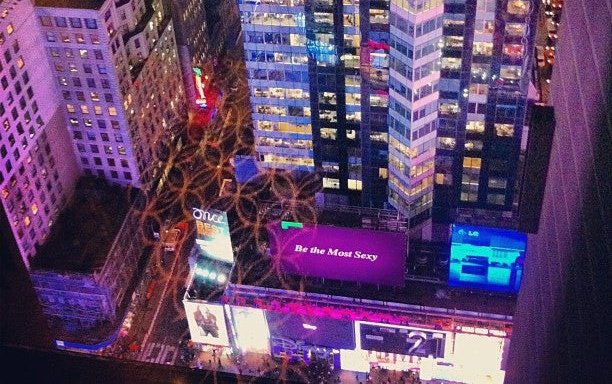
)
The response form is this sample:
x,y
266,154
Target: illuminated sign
x,y
206,323
340,253
486,258
298,350
200,87
212,234
401,340
200,214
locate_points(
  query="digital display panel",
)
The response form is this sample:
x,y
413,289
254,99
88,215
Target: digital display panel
x,y
487,258
206,323
401,340
212,234
340,253
311,330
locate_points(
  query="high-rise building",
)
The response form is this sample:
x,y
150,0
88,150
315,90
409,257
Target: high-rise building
x,y
486,66
318,74
38,168
87,89
416,36
564,309
404,98
115,66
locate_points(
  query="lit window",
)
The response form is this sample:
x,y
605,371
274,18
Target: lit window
x,y
121,150
70,108
20,62
112,111
472,162
34,208
504,130
84,109
332,183
9,28
98,110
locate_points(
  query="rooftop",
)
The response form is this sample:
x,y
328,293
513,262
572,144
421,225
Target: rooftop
x,y
84,232
75,4
426,282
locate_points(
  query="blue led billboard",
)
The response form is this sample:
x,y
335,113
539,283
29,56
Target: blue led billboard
x,y
487,258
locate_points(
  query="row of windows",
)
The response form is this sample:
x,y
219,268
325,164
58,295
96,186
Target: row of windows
x,y
91,82
72,67
107,149
83,53
62,22
277,57
93,96
68,38
89,123
279,75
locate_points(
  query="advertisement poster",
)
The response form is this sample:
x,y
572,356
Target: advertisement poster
x,y
206,323
401,340
487,258
340,253
212,234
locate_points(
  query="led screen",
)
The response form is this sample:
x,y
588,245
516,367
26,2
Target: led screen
x,y
251,329
311,330
401,340
487,258
206,323
340,253
212,234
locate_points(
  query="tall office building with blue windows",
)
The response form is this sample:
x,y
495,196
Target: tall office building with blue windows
x,y
318,72
416,41
486,64
410,104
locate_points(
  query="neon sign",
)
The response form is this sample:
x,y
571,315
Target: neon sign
x,y
200,214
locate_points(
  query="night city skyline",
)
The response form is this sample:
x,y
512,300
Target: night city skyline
x,y
305,191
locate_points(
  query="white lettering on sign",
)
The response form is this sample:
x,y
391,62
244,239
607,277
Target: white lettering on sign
x,y
200,214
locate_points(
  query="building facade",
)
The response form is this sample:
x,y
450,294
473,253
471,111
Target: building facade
x,y
39,170
103,57
486,66
318,74
416,36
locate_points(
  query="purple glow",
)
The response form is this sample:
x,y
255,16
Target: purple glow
x,y
340,253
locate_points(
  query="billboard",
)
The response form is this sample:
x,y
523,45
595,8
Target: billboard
x,y
340,253
250,329
486,258
312,330
400,340
206,323
212,234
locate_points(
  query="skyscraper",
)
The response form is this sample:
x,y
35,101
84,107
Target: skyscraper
x,y
106,73
318,75
404,97
416,42
114,65
486,63
38,170
563,315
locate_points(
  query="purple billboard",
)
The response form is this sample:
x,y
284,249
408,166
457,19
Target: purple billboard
x,y
340,253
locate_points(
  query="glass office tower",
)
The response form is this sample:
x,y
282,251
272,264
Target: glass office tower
x,y
318,72
485,67
416,41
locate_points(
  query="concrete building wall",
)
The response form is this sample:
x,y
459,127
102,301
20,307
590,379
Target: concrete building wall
x,y
38,169
562,321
